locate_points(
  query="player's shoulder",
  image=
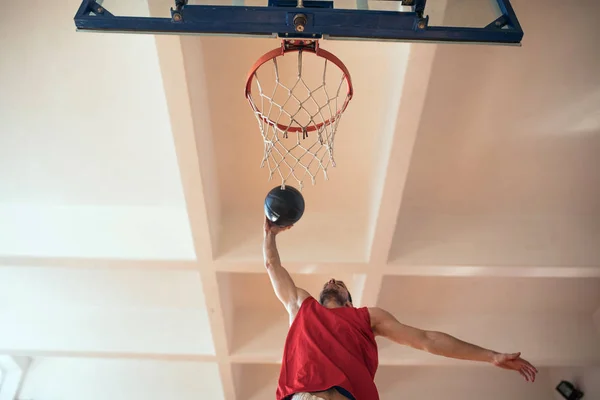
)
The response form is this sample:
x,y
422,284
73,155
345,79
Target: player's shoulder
x,y
375,311
377,315
302,295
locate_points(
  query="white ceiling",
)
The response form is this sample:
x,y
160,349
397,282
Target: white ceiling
x,y
84,117
465,199
119,379
87,161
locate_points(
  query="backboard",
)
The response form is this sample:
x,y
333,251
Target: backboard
x,y
487,21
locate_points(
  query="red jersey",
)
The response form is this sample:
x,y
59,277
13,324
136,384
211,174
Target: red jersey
x,y
329,347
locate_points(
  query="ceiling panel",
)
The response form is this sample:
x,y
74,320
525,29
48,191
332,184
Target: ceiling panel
x,y
498,295
103,311
118,289
96,379
503,170
479,240
467,382
512,130
310,240
87,161
117,232
257,381
89,125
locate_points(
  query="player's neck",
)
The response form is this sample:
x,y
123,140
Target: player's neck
x,y
331,303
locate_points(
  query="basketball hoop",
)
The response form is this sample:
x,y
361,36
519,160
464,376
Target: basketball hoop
x,y
298,120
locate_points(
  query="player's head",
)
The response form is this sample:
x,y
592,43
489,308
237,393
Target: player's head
x,y
335,292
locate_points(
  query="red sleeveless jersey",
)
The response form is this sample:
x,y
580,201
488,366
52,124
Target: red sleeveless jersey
x,y
329,347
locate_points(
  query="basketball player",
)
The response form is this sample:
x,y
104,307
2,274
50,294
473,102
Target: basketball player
x,y
330,351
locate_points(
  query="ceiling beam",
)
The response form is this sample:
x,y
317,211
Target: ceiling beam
x,y
86,263
15,370
108,355
507,271
396,149
395,154
184,84
368,293
294,267
324,268
425,359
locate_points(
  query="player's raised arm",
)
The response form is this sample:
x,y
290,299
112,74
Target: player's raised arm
x,y
385,324
283,284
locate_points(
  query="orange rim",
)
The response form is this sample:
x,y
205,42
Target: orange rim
x,y
280,51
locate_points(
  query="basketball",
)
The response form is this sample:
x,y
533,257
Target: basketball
x,y
284,207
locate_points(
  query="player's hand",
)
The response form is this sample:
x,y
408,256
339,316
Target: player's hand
x,y
271,228
516,363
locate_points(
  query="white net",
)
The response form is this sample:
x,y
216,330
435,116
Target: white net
x,y
298,108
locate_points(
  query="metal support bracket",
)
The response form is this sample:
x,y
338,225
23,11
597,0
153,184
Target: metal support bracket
x,y
319,19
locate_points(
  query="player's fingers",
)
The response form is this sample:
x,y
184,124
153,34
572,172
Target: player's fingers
x,y
530,366
532,372
524,375
529,373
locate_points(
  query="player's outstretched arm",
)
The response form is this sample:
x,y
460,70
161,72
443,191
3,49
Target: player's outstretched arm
x,y
386,325
283,284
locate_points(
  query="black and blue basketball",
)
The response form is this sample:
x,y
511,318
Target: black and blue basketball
x,y
284,207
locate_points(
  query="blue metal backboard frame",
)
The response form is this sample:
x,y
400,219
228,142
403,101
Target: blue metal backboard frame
x,y
315,20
